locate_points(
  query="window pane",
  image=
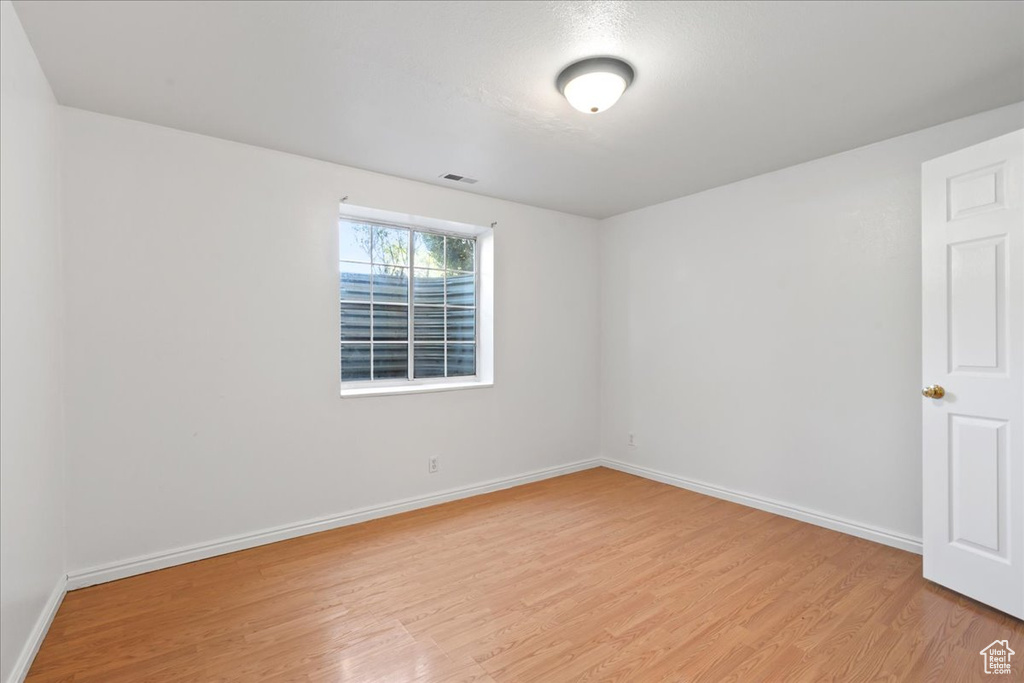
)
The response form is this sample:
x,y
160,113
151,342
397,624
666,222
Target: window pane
x,y
461,289
355,322
461,360
390,323
355,281
461,324
428,323
428,287
429,360
390,361
375,266
390,283
428,250
460,254
354,241
355,362
391,246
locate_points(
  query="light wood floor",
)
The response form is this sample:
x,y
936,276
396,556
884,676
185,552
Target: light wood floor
x,y
593,576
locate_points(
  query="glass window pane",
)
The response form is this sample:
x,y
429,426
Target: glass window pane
x,y
461,324
461,289
390,323
460,254
355,281
390,361
429,360
355,362
428,250
391,246
391,283
461,360
428,286
428,323
355,322
354,241
375,266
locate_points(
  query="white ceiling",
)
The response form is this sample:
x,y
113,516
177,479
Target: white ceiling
x,y
723,90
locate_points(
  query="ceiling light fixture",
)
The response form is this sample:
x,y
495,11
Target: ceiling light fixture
x,y
595,84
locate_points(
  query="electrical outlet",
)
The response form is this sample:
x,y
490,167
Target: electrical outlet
x,y
432,464
632,440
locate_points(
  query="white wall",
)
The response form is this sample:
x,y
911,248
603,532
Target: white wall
x,y
202,344
31,438
765,336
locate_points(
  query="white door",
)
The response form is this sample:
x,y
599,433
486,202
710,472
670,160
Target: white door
x,y
973,337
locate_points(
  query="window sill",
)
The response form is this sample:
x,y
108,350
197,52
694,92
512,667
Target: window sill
x,y
396,389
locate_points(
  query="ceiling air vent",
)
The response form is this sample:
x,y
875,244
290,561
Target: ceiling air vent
x,y
458,178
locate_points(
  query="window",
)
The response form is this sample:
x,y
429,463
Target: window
x,y
409,303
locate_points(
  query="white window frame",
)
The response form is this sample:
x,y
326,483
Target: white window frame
x,y
483,255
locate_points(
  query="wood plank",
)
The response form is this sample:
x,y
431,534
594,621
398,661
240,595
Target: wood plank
x,y
597,575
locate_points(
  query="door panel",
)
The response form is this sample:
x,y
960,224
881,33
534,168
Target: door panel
x,y
972,237
977,287
977,449
976,192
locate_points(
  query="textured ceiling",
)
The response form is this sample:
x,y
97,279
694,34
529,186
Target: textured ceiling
x,y
723,90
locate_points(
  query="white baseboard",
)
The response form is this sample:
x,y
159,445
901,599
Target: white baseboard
x,y
846,526
35,637
169,558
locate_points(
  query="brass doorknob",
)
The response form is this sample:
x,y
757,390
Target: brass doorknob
x,y
934,391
